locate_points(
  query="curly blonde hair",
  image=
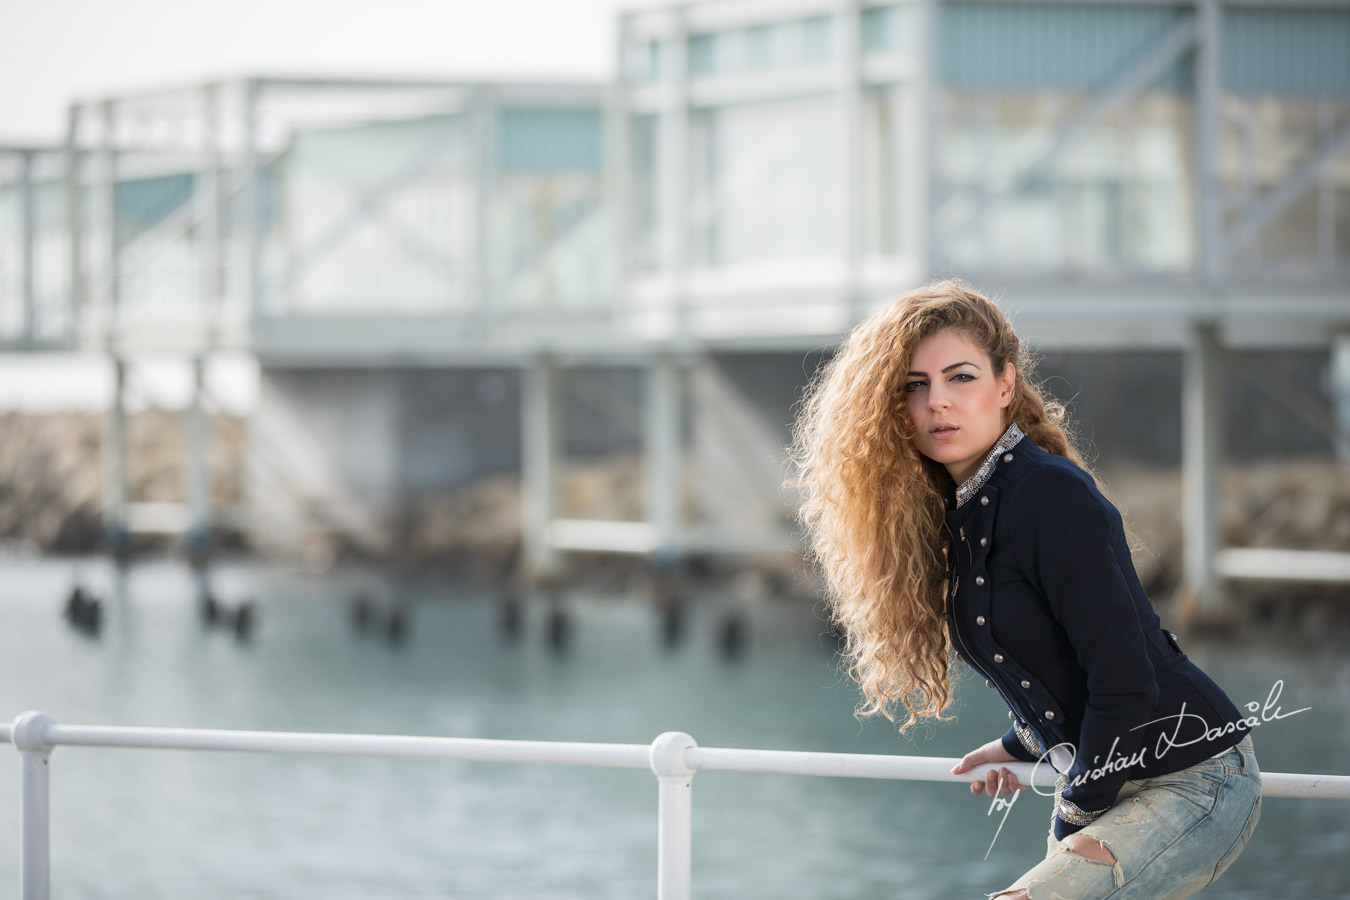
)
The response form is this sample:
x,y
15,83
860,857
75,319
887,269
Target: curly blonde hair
x,y
873,506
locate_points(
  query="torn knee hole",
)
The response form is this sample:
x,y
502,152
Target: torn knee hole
x,y
1089,847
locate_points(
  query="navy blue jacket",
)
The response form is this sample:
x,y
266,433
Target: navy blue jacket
x,y
1044,601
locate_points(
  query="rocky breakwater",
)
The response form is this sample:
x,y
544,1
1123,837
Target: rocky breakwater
x,y
52,473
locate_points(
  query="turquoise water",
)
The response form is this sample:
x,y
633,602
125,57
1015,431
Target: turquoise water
x,y
145,824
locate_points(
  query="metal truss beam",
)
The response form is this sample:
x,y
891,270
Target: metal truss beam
x,y
367,205
1277,200
1116,95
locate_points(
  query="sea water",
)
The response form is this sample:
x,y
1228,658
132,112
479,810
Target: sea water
x,y
173,824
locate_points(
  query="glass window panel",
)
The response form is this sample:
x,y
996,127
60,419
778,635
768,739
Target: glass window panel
x,y
765,180
881,29
1117,196
377,215
643,62
644,210
817,39
549,242
883,163
703,51
1266,140
760,47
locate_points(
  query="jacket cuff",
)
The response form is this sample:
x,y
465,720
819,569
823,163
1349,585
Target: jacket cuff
x,y
1013,745
1063,829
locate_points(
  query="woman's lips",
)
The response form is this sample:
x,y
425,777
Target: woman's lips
x,y
944,432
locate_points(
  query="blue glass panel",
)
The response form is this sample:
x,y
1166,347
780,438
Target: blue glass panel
x,y
1286,51
703,55
544,140
817,39
881,29
1021,46
142,202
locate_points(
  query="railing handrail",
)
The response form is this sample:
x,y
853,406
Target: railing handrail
x,y
673,756
606,755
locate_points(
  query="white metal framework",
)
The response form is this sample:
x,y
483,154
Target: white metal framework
x,y
674,757
759,175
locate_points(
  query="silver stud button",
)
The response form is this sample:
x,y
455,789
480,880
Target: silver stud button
x,y
984,501
1050,715
979,580
979,620
1011,716
988,683
998,657
1007,457
1025,683
984,542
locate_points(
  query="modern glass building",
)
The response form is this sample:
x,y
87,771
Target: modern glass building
x,y
821,155
757,176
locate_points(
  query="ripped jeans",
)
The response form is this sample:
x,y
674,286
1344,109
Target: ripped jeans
x,y
1171,836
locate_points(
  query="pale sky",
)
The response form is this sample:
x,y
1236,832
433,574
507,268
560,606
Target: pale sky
x,y
56,51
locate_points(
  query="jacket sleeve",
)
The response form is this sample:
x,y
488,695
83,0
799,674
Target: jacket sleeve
x,y
1072,547
1013,744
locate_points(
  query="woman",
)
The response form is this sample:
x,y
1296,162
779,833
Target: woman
x,y
951,514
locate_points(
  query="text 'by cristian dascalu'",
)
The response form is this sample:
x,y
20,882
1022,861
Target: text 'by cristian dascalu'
x,y
1259,714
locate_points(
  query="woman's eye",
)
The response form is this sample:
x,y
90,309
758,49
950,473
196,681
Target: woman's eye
x,y
963,376
912,386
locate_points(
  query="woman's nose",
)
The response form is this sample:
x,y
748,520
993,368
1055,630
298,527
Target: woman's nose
x,y
937,398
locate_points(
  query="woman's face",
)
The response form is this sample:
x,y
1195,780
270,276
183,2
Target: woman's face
x,y
956,401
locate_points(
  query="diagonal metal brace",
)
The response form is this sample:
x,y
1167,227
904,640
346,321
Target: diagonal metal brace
x,y
1275,201
1116,95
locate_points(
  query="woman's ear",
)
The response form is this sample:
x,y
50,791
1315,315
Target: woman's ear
x,y
1006,383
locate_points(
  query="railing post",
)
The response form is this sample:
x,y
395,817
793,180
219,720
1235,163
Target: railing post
x,y
29,731
675,815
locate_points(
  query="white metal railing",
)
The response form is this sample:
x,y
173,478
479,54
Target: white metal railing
x,y
673,757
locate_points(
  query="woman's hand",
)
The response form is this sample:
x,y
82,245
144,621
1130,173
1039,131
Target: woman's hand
x,y
997,781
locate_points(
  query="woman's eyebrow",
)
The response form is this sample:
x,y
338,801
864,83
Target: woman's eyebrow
x,y
948,368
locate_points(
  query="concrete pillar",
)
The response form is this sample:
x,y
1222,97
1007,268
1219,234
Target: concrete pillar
x,y
196,488
1201,456
115,461
1340,394
662,448
541,450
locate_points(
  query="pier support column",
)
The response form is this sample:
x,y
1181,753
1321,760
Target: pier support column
x,y
661,439
115,463
1201,456
196,488
540,451
1340,394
